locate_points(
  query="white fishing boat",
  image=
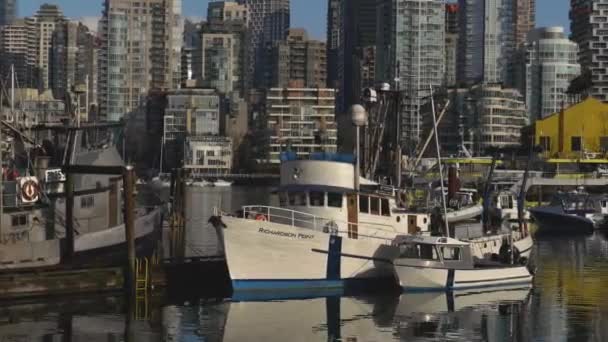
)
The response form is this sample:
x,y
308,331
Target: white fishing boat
x,y
324,234
200,183
504,206
441,263
222,183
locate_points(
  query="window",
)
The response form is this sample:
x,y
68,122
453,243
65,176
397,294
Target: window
x,y
334,199
317,199
364,204
87,202
301,199
283,199
450,253
604,144
419,251
386,211
545,143
575,143
374,205
19,220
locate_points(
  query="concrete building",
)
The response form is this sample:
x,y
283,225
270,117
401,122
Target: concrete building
x,y
357,32
74,63
333,41
551,64
140,50
40,28
227,11
8,11
15,52
222,60
485,52
189,113
589,30
411,49
208,155
268,21
297,59
578,131
301,120
498,116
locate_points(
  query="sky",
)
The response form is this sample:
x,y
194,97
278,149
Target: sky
x,y
310,14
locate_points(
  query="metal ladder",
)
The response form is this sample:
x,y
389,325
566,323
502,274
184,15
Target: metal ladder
x,y
142,278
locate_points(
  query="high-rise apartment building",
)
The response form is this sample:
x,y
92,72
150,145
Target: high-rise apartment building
x,y
268,22
297,59
16,54
451,43
221,58
74,62
333,41
551,63
140,50
589,30
411,50
357,32
40,35
490,33
8,11
227,11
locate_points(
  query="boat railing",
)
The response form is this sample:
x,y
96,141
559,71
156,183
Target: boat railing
x,y
309,221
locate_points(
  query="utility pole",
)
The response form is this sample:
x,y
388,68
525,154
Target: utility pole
x,y
128,183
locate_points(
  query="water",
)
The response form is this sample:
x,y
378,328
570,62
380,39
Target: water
x,y
569,302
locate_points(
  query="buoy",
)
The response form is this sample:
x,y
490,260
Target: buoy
x,y
260,217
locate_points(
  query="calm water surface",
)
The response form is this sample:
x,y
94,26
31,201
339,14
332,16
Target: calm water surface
x,y
569,302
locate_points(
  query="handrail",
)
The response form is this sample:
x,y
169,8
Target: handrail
x,y
306,218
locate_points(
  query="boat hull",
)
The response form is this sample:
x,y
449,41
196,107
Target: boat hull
x,y
553,219
416,278
262,255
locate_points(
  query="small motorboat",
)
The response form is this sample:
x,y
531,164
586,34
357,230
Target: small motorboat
x,y
572,212
200,183
428,263
222,183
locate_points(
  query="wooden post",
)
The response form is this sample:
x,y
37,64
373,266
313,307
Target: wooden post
x,y
69,216
128,180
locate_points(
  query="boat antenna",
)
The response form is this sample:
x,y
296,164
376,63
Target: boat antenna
x,y
443,199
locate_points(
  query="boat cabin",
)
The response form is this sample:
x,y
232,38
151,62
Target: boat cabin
x,y
430,251
320,194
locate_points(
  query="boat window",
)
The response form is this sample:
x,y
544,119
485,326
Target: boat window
x,y
334,199
18,220
450,253
386,211
419,251
87,202
364,204
292,198
301,198
374,205
282,198
317,199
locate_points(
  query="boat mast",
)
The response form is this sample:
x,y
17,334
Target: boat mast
x,y
443,199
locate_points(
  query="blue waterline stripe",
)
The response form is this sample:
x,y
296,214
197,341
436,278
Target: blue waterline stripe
x,y
285,284
492,280
441,289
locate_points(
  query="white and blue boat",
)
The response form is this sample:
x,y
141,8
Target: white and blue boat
x,y
428,263
324,234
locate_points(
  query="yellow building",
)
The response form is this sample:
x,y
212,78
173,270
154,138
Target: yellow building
x,y
579,131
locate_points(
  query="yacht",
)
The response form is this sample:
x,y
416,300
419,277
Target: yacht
x,y
222,183
324,234
572,212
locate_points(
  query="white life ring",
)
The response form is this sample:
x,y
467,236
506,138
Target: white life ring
x,y
29,191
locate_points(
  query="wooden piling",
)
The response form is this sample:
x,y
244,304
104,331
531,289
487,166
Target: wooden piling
x,y
69,216
128,180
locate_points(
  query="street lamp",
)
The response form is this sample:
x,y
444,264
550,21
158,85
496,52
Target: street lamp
x,y
359,117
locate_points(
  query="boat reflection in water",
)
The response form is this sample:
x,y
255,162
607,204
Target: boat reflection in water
x,y
460,316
